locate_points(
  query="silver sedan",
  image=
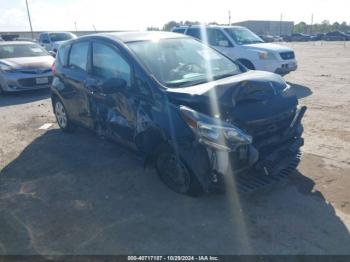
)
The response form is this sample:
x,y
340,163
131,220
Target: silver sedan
x,y
24,66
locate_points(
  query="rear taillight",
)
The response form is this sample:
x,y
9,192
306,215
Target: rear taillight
x,y
53,68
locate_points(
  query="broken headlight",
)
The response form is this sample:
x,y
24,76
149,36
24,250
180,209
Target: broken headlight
x,y
213,131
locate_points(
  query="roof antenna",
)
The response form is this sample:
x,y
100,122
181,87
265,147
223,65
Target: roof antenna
x,y
94,28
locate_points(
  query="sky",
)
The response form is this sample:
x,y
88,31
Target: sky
x,y
140,14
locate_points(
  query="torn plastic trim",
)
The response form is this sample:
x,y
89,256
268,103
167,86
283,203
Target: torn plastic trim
x,y
299,114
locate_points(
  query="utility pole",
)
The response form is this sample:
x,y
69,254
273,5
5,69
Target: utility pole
x,y
281,24
229,17
75,25
312,22
30,21
94,28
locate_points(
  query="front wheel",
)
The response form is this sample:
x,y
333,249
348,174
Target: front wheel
x,y
175,174
61,116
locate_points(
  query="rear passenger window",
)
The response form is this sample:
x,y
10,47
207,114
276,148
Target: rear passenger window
x,y
194,32
108,63
79,55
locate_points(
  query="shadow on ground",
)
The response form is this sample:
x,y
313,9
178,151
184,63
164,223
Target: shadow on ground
x,y
7,99
78,194
299,90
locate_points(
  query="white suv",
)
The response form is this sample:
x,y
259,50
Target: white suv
x,y
243,45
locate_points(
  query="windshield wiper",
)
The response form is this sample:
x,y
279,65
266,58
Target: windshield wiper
x,y
198,82
223,76
188,83
253,42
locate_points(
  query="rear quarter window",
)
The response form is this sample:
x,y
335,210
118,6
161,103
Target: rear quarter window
x,y
179,30
78,56
62,55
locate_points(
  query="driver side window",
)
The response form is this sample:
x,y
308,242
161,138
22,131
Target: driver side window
x,y
217,38
107,63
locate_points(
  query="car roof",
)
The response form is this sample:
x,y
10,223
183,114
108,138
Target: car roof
x,y
16,42
139,36
210,26
54,32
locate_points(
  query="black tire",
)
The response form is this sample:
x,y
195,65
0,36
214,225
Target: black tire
x,y
62,118
175,174
247,64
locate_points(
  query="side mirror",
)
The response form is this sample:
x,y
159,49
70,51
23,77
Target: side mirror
x,y
113,85
224,43
52,53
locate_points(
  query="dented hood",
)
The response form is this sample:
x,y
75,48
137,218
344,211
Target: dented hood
x,y
251,85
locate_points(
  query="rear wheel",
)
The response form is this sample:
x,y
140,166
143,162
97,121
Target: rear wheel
x,y
175,174
62,116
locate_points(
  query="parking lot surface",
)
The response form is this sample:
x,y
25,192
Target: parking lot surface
x,y
79,194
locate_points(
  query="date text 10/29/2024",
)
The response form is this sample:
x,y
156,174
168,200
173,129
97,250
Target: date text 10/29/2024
x,y
173,258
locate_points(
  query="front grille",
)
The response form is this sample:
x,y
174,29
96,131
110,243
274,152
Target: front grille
x,y
29,82
34,71
287,55
260,129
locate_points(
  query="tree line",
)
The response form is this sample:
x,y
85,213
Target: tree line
x,y
302,27
323,27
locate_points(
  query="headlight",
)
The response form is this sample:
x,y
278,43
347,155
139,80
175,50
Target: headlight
x,y
263,55
5,67
214,132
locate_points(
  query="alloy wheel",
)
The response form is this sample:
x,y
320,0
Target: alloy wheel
x,y
61,115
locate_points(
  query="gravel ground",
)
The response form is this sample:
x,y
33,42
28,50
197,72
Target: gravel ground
x,y
79,194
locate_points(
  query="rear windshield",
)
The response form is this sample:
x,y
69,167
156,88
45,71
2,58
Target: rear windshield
x,y
21,50
56,37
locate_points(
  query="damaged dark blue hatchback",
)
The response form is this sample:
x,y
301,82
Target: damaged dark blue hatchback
x,y
190,111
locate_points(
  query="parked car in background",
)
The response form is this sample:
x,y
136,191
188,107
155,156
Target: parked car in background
x,y
243,45
278,38
24,66
25,39
188,110
52,40
299,37
336,36
267,38
318,37
9,36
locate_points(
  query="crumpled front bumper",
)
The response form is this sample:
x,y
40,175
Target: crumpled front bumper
x,y
251,159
